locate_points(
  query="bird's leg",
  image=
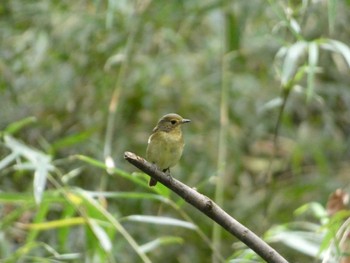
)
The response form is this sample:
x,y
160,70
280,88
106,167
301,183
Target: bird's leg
x,y
167,172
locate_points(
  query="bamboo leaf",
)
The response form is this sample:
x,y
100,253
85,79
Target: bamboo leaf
x,y
291,61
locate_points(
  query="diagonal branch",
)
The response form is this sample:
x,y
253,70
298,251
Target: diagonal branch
x,y
208,207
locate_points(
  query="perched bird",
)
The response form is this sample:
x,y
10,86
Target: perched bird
x,y
166,143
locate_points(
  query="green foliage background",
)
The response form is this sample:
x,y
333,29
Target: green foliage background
x,y
237,69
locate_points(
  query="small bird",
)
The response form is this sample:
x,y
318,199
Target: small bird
x,y
166,143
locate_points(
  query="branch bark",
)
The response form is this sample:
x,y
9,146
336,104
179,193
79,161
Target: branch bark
x,y
209,208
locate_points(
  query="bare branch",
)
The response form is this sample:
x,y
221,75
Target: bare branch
x,y
208,207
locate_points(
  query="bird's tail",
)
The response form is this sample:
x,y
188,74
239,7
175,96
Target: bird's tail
x,y
152,182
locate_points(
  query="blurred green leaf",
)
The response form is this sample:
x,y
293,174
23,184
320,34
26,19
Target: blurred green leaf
x,y
96,211
26,198
40,216
70,140
14,127
316,209
38,161
63,233
117,171
338,47
332,14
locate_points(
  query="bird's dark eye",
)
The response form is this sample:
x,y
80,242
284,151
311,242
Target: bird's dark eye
x,y
173,122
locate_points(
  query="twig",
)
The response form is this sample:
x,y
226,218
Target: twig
x,y
208,207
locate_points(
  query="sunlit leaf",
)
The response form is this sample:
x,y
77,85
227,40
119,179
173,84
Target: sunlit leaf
x,y
159,220
295,25
339,47
114,60
154,244
7,160
101,235
304,242
272,104
313,60
291,61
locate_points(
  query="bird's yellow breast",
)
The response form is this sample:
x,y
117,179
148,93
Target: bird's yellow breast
x,y
165,148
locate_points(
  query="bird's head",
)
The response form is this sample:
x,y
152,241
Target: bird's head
x,y
171,122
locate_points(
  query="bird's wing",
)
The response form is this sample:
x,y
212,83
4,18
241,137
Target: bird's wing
x,y
153,132
150,139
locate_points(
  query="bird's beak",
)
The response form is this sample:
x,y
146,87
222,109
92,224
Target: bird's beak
x,y
185,121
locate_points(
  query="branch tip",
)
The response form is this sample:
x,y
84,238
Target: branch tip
x,y
129,155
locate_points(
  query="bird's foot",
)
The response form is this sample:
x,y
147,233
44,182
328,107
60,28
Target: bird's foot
x,y
167,172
